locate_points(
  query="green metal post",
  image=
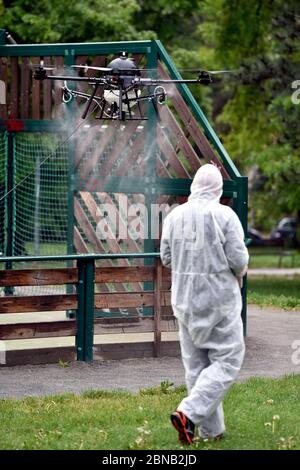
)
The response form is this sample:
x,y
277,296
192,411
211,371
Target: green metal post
x,y
2,36
85,312
89,309
10,203
150,189
240,205
80,337
70,60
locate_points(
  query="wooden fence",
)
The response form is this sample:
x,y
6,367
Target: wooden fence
x,y
88,297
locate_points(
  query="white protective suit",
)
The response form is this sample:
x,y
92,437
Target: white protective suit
x,y
203,243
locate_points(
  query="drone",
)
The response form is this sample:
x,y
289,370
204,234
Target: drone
x,y
120,90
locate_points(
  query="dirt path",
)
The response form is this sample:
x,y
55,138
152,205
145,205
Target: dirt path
x,y
271,333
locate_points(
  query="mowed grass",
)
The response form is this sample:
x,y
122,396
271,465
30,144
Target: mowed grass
x,y
276,292
260,414
267,257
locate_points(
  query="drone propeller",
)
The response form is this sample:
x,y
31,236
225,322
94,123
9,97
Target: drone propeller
x,y
211,72
87,67
217,72
36,66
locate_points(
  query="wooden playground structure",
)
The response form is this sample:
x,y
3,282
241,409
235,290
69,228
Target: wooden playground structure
x,y
150,163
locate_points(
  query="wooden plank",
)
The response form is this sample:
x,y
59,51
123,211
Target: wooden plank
x,y
14,89
130,299
132,156
118,351
157,308
38,277
102,352
36,93
88,229
47,98
95,210
166,273
81,247
122,226
107,352
82,60
161,170
193,126
3,78
137,58
170,154
125,274
124,300
82,145
58,107
79,244
165,298
91,163
40,356
86,226
25,92
91,235
98,61
121,141
38,303
182,142
123,262
134,324
38,330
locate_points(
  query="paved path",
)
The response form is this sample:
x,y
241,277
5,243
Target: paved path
x,y
269,353
274,272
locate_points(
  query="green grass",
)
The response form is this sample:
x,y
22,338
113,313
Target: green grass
x,y
120,420
265,258
276,292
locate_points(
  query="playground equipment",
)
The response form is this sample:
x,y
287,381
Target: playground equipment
x,y
59,173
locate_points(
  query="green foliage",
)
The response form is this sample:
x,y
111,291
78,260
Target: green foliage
x,y
260,414
72,21
259,120
276,292
251,109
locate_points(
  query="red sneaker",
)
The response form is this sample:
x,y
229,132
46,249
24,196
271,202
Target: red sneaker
x,y
184,426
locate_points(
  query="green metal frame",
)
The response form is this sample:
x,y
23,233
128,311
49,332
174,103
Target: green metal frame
x,y
10,203
150,185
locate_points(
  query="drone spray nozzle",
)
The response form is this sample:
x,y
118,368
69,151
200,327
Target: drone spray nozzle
x,y
160,94
9,38
204,77
40,73
67,93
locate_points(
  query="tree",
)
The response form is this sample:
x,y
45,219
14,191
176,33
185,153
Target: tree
x,y
72,21
252,110
259,120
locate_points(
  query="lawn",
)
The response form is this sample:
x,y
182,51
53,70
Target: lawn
x,y
261,414
266,258
276,292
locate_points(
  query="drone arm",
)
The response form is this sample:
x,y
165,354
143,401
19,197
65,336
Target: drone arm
x,y
91,98
90,80
40,74
203,77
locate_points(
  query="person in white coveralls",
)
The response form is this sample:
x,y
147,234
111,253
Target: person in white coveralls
x,y
203,244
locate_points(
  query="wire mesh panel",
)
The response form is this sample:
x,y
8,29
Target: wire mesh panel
x,y
41,199
36,219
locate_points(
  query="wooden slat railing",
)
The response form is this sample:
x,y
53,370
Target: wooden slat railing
x,y
159,298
